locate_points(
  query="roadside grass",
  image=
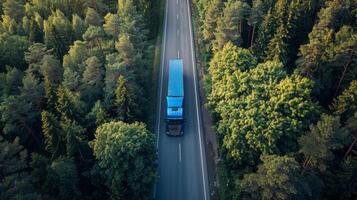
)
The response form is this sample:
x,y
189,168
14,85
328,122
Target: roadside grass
x,y
159,6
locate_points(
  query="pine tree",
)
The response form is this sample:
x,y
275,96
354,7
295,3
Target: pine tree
x,y
278,177
92,17
78,26
210,20
92,82
122,101
318,145
112,25
15,181
228,25
53,134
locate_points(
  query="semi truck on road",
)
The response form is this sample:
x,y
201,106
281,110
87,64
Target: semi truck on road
x,y
175,99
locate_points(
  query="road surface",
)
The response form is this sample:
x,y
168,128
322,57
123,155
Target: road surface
x,y
182,165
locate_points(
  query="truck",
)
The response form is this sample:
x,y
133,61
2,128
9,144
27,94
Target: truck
x,y
175,99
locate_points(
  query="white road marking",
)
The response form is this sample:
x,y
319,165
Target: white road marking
x,y
178,54
177,2
177,17
198,118
180,152
161,81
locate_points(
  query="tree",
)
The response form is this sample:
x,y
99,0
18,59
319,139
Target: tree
x,y
111,25
126,158
12,48
93,35
210,20
53,134
318,145
228,25
342,182
51,69
92,17
345,105
225,62
32,91
328,57
77,54
78,26
278,177
14,9
97,116
92,82
12,81
15,181
122,99
255,18
34,56
262,111
68,104
58,33
20,120
62,173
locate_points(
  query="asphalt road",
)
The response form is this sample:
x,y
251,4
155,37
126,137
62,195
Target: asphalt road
x,y
182,165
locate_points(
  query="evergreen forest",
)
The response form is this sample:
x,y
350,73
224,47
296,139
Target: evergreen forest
x,y
281,83
75,80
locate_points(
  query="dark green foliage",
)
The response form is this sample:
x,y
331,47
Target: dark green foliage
x,y
12,48
277,178
307,55
318,145
59,68
126,156
15,181
329,56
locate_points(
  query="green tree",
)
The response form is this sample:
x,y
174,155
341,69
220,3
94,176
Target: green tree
x,y
14,9
53,134
225,62
112,25
345,105
94,35
210,20
97,116
122,99
58,33
328,58
318,145
262,111
12,49
20,120
15,181
92,82
78,26
126,158
68,104
228,25
32,91
278,177
93,18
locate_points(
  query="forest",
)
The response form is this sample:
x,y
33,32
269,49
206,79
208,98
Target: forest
x,y
75,80
281,85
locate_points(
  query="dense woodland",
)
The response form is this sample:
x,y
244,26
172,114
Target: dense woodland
x,y
74,84
281,83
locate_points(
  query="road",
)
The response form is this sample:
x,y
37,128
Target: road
x,y
182,165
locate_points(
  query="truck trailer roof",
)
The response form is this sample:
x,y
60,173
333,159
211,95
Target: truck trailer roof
x,y
175,78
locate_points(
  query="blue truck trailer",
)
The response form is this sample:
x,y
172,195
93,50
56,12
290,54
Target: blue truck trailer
x,y
175,99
